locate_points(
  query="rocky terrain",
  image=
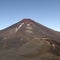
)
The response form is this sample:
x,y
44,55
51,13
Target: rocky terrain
x,y
29,40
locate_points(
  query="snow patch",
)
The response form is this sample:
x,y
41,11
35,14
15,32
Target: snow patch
x,y
17,28
29,27
28,31
28,24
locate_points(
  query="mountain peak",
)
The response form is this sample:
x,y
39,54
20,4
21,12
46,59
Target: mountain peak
x,y
27,21
25,24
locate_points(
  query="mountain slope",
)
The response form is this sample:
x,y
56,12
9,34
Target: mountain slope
x,y
29,40
28,26
23,31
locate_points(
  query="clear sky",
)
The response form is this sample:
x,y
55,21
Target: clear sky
x,y
46,12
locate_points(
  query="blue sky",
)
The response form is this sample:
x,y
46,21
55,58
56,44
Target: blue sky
x,y
46,12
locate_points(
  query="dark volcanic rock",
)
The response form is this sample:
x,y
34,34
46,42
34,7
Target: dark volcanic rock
x,y
29,40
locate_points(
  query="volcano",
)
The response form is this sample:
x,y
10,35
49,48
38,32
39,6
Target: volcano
x,y
29,40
